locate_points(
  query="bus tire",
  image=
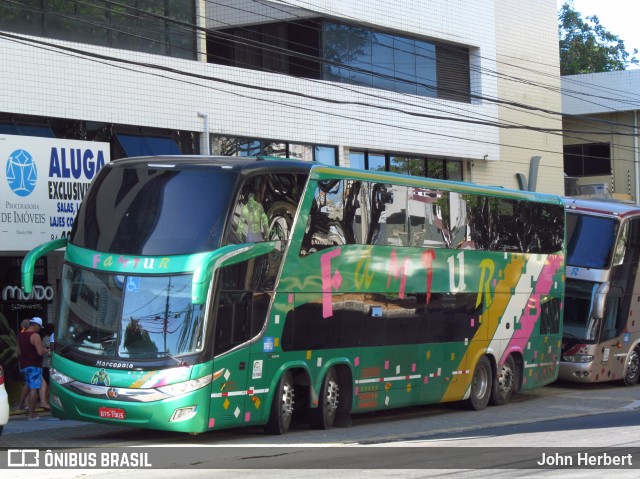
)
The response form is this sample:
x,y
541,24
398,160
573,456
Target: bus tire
x,y
281,406
480,385
504,384
633,368
323,416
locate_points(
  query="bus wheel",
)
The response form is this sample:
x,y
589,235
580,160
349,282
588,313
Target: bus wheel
x,y
323,416
633,368
480,385
504,384
281,406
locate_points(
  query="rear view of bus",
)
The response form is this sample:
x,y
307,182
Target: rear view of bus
x,y
602,316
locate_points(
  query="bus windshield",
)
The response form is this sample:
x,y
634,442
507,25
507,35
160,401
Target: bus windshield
x,y
579,324
155,211
590,240
114,316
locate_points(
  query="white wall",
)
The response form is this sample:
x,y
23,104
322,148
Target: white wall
x,y
49,83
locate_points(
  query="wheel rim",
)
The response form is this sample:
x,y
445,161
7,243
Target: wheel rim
x,y
633,365
287,401
505,380
480,383
332,396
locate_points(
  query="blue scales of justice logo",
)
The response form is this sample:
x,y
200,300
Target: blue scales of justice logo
x,y
21,173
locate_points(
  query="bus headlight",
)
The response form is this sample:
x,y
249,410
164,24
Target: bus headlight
x,y
578,358
185,387
60,378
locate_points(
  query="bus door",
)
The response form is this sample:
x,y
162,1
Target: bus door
x,y
230,364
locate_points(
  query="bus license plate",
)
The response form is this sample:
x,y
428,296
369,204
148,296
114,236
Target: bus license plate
x,y
111,413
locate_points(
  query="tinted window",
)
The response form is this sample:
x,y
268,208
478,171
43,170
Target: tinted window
x,y
410,216
147,211
590,240
265,208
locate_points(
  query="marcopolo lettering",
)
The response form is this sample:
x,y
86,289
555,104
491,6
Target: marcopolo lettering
x,y
74,163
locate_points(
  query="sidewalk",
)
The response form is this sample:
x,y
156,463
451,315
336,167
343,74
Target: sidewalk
x,y
23,412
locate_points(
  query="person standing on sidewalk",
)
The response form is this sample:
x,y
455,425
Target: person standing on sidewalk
x,y
31,352
46,335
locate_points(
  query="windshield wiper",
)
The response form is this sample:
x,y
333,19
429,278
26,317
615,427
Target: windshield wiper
x,y
179,361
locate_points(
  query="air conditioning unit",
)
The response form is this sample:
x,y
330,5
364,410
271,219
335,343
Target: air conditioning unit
x,y
595,189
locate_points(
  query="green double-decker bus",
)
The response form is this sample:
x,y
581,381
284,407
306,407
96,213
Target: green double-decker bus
x,y
203,293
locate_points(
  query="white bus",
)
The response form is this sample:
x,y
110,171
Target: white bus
x,y
601,332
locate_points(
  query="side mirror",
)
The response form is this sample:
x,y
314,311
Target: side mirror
x,y
29,261
225,256
599,300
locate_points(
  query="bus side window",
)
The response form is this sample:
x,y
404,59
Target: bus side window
x,y
265,208
550,316
335,216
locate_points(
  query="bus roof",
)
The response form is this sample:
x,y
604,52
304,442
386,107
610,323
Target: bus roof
x,y
602,206
320,171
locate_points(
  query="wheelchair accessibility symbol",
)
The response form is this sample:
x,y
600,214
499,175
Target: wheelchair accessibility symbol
x,y
133,284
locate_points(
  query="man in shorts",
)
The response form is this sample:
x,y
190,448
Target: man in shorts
x,y
31,352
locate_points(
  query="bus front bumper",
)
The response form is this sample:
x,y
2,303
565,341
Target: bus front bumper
x,y
577,372
185,413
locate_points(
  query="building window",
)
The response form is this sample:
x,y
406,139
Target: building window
x,y
442,169
340,52
588,159
164,28
407,165
237,146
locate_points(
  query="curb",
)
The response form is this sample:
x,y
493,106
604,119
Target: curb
x,y
23,412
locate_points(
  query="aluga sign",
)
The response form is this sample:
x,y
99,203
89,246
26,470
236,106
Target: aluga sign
x,y
206,293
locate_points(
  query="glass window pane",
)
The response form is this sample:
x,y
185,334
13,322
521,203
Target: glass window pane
x,y
405,64
454,170
158,317
25,18
388,222
225,145
274,148
301,152
335,44
590,240
181,38
326,155
426,68
376,162
435,169
360,56
265,208
407,166
418,209
356,159
249,148
382,60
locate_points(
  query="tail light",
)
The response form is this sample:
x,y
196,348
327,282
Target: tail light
x,y
1,376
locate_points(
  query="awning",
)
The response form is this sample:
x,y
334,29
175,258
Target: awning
x,y
134,145
26,130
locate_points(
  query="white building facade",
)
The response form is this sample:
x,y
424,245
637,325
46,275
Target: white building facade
x,y
456,90
601,133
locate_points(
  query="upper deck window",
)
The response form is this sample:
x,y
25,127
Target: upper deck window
x,y
590,240
155,211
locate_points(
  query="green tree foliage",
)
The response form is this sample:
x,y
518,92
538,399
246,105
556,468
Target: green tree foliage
x,y
587,47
